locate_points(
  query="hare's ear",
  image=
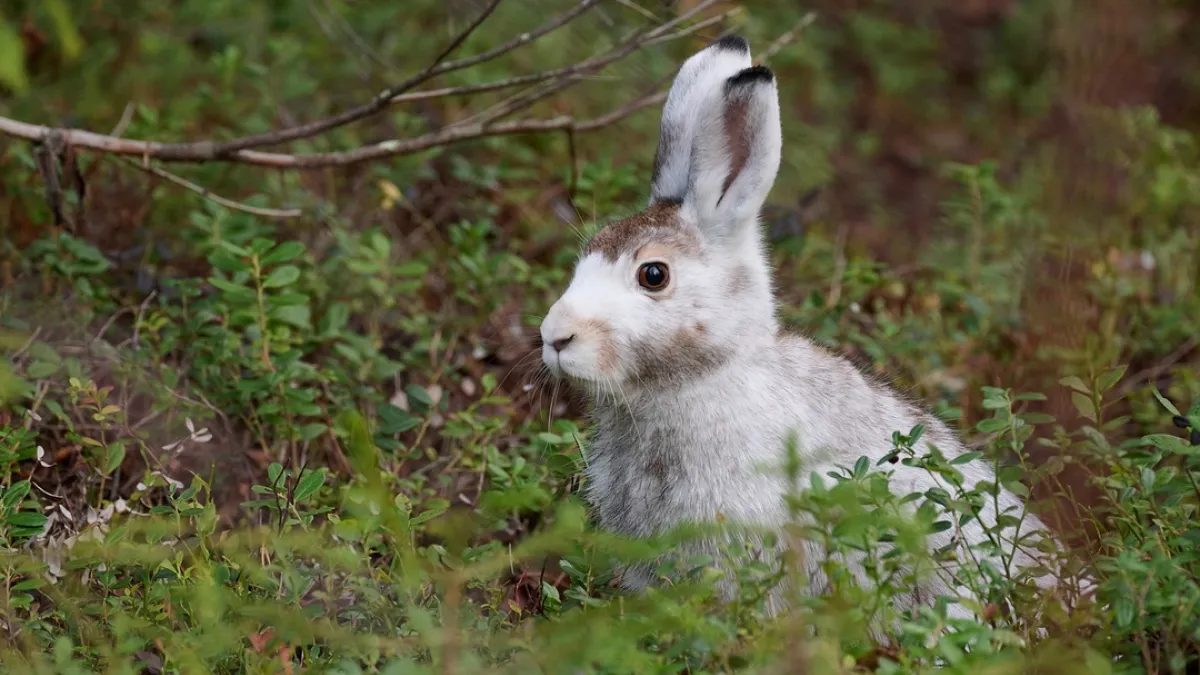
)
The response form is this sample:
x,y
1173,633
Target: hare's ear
x,y
698,79
735,153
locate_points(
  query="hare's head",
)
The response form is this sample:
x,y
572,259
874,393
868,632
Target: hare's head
x,y
683,286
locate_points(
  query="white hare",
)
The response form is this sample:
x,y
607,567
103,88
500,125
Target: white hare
x,y
669,323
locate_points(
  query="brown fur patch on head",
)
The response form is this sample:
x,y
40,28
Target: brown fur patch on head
x,y
606,348
658,223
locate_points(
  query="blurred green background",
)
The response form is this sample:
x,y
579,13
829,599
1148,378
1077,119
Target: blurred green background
x,y
973,193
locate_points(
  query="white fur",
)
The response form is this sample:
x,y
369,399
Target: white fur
x,y
686,449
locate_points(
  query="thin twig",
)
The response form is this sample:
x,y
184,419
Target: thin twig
x,y
694,28
627,46
788,37
839,267
462,37
363,72
141,314
639,9
357,39
123,123
210,195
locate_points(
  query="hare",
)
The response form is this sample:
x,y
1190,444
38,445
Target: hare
x,y
669,324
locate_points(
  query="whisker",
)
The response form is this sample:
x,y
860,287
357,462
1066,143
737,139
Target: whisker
x,y
553,403
520,362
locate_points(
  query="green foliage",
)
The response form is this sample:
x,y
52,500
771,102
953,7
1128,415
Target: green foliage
x,y
238,445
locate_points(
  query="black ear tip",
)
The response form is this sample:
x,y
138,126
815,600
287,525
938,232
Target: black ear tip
x,y
733,43
751,75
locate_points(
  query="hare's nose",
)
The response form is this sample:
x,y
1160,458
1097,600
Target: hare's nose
x,y
561,343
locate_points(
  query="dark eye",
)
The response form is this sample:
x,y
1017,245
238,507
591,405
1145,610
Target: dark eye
x,y
653,276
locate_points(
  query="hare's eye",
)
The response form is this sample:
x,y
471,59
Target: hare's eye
x,y
653,276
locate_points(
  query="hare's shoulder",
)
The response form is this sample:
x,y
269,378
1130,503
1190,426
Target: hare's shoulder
x,y
854,400
820,372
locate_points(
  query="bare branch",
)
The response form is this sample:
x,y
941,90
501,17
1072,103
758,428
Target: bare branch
x,y
484,124
209,195
460,131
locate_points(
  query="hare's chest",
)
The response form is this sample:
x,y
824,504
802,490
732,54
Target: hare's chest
x,y
649,482
639,493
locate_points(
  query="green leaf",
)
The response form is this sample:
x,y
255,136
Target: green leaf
x,y
12,59
68,34
282,276
30,519
1110,378
861,466
15,494
286,251
293,315
336,318
310,482
230,287
40,370
114,456
44,352
992,425
561,465
966,457
1075,383
273,472
1167,443
288,298
29,584
436,508
418,395
412,268
1165,403
1084,405
11,386
311,431
1095,436
224,243
393,420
